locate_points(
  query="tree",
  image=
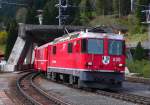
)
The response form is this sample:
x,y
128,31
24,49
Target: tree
x,y
100,9
75,15
125,7
21,15
73,12
3,37
86,12
31,16
50,12
12,36
121,7
139,52
88,9
37,4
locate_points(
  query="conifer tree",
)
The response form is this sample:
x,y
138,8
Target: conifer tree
x,y
139,52
12,36
50,12
85,12
115,7
31,16
76,16
121,7
100,9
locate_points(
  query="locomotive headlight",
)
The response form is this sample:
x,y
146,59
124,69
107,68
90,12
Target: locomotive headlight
x,y
120,65
90,63
105,35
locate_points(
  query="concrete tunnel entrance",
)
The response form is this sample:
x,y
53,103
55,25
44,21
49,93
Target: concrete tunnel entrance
x,y
30,36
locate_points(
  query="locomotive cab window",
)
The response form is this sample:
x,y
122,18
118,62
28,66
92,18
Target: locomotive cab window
x,y
95,46
115,47
70,45
54,50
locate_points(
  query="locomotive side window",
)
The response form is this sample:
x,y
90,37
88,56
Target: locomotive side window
x,y
83,45
70,45
115,47
54,50
95,46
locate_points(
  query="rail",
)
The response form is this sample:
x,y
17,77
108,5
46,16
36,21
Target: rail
x,y
52,98
32,100
138,79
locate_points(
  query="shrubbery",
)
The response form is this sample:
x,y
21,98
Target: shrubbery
x,y
139,52
3,37
142,67
146,70
139,64
12,30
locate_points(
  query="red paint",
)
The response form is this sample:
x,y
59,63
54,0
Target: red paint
x,y
45,58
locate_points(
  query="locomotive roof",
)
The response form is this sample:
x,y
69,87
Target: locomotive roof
x,y
43,46
82,34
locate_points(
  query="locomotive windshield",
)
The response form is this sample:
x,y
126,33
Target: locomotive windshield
x,y
95,46
115,47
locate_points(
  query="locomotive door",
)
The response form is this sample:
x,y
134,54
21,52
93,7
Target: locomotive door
x,y
48,55
77,56
35,59
46,58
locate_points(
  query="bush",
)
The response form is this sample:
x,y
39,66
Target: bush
x,y
3,37
12,36
134,67
142,67
146,70
139,52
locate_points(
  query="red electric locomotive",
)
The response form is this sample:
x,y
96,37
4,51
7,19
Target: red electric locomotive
x,y
93,60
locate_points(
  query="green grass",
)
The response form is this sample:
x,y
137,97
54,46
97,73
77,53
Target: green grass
x,y
137,37
128,22
103,20
142,67
2,48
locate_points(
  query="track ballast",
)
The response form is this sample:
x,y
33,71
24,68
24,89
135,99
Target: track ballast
x,y
33,93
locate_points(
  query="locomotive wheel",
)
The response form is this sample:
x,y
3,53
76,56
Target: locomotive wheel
x,y
57,77
79,85
53,78
71,79
66,78
49,76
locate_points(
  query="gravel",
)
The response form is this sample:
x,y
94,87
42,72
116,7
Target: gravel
x,y
137,88
78,97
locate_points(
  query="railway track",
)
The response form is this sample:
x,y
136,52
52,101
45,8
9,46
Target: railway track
x,y
126,97
34,94
137,99
141,100
138,79
119,94
38,96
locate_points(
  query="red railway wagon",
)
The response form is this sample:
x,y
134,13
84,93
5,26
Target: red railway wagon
x,y
95,60
41,58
